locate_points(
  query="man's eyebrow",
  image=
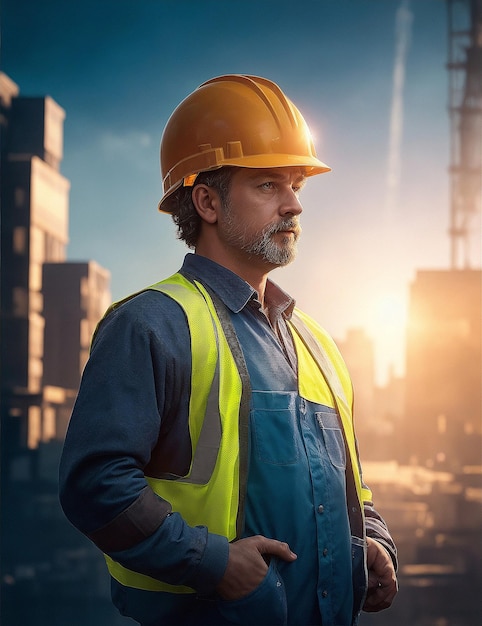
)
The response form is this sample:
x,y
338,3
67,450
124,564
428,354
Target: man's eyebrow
x,y
272,173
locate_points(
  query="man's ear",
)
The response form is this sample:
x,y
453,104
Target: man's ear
x,y
206,201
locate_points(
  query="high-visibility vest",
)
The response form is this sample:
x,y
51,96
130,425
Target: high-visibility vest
x,y
212,493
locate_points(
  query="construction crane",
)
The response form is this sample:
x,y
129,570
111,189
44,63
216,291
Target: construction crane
x,y
465,111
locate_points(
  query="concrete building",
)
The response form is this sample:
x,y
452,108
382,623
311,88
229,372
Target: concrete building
x,y
34,229
76,295
48,310
358,352
44,324
378,409
444,368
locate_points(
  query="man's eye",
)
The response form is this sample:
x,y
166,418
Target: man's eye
x,y
298,187
267,185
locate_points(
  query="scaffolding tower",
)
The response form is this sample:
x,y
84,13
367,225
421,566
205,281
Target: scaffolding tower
x,y
465,110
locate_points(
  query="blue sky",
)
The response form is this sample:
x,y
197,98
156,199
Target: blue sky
x,y
118,68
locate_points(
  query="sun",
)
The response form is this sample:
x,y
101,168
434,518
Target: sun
x,y
388,328
390,311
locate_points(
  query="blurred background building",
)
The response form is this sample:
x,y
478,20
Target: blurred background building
x,y
48,311
444,373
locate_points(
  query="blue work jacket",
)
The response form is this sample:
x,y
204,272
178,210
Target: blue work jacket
x,y
131,414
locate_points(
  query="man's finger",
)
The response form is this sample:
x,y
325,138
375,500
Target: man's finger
x,y
276,548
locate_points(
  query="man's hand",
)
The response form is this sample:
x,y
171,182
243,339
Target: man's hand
x,y
382,581
246,566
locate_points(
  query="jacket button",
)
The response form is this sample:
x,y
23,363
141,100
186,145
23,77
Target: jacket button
x,y
325,593
325,551
321,509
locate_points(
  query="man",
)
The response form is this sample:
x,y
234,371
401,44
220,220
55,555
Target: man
x,y
211,453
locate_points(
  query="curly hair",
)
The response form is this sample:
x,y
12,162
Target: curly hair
x,y
181,207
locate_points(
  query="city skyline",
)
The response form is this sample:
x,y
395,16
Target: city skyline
x,y
363,239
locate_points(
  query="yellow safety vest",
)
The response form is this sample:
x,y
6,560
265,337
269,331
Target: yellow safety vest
x,y
212,492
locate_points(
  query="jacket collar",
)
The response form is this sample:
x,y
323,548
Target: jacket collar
x,y
231,288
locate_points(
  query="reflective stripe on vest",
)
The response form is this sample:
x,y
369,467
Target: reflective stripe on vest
x,y
310,337
210,493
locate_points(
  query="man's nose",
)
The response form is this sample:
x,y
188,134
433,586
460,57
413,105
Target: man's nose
x,y
291,204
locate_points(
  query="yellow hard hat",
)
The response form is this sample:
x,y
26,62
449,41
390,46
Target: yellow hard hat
x,y
237,120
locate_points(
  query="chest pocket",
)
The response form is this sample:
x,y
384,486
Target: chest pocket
x,y
332,437
273,427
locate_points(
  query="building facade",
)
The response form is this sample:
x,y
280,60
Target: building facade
x,y
48,311
443,411
75,296
38,382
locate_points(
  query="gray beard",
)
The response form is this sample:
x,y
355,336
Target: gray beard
x,y
269,250
264,246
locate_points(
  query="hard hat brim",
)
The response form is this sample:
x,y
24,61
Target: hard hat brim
x,y
311,166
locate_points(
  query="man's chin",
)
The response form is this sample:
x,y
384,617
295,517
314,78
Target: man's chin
x,y
281,260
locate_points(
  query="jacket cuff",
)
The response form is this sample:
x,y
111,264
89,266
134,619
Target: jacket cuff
x,y
391,552
212,565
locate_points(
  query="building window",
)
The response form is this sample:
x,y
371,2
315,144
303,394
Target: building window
x,y
34,427
36,336
20,240
35,371
35,276
19,197
84,294
49,424
85,334
20,302
36,302
37,244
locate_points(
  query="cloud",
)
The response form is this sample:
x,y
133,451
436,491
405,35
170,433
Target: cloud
x,y
403,30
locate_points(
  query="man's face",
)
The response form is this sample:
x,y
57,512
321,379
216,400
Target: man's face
x,y
260,220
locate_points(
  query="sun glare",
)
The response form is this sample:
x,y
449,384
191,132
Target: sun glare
x,y
390,311
388,328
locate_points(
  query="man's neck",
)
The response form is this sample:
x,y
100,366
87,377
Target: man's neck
x,y
254,274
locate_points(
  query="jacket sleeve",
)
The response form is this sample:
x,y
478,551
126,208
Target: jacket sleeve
x,y
375,526
135,389
377,529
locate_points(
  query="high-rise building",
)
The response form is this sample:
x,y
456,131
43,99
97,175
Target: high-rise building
x,y
76,295
377,409
39,379
48,310
444,368
358,352
34,230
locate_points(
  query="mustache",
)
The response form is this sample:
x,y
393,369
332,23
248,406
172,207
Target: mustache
x,y
290,223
